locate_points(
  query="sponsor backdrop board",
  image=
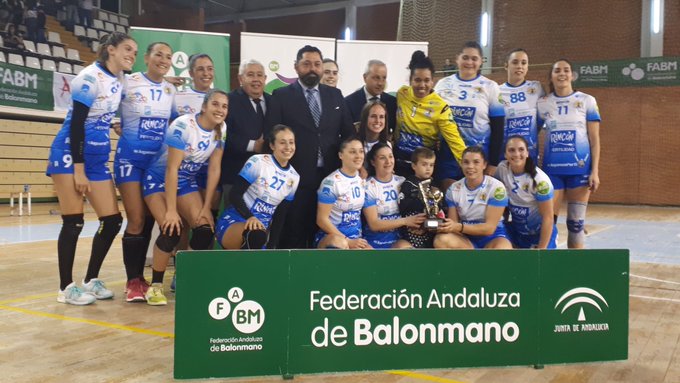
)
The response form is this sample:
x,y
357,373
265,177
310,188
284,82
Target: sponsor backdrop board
x,y
640,72
306,311
61,91
277,54
25,87
184,44
353,56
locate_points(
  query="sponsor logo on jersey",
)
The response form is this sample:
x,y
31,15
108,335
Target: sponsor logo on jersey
x,y
190,167
152,128
543,188
89,78
351,216
519,211
262,207
519,126
563,141
390,216
499,193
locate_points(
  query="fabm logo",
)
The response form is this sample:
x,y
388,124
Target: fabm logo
x,y
580,298
247,316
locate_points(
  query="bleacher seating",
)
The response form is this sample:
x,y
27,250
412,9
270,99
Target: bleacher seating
x,y
54,38
44,50
77,68
73,54
49,65
2,57
16,59
32,62
58,52
64,67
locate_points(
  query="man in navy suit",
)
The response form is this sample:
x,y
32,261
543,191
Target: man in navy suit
x,y
375,78
320,120
248,106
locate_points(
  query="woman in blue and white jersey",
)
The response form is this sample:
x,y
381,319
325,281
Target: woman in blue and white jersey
x,y
571,155
189,101
520,97
530,198
477,109
170,188
476,204
341,197
145,110
78,165
381,206
260,196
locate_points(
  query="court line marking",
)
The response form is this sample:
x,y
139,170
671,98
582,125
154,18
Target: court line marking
x,y
655,298
429,378
655,279
89,321
47,295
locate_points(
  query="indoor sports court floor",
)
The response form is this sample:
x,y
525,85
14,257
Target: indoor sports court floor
x,y
44,341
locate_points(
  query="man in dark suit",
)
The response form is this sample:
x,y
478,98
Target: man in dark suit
x,y
245,122
320,120
375,78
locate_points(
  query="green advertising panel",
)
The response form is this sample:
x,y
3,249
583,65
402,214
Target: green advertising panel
x,y
256,313
25,87
184,44
641,72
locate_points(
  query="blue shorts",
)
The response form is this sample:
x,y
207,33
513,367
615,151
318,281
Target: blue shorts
x,y
322,234
229,217
153,184
129,167
559,181
202,180
96,165
479,242
524,241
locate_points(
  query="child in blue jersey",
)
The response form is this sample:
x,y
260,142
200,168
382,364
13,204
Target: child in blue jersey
x,y
145,109
520,97
571,155
78,165
260,196
170,189
477,109
381,207
341,197
476,204
530,198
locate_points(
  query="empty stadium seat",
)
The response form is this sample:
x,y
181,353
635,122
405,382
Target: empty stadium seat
x,y
113,18
123,21
16,59
77,68
54,37
98,24
103,15
58,52
72,54
32,62
109,27
120,28
64,68
79,31
95,46
29,46
2,57
44,49
92,34
49,65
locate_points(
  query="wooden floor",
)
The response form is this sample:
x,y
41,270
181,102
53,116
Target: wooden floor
x,y
114,341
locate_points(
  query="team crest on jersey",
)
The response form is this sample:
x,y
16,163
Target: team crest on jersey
x,y
166,90
543,188
135,77
499,193
428,113
100,75
531,90
479,89
525,187
578,105
482,197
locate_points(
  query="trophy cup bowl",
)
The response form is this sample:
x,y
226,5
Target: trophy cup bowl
x,y
430,199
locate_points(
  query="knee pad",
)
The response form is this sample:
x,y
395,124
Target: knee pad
x,y
109,226
72,225
201,237
576,218
254,239
166,242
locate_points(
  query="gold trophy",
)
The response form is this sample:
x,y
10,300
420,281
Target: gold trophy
x,y
431,197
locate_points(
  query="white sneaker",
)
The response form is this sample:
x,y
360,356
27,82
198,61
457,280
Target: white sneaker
x,y
97,288
73,295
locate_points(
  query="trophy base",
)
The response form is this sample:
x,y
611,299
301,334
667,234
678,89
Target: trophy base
x,y
432,224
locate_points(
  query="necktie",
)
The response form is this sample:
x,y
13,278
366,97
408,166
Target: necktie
x,y
258,107
374,99
314,106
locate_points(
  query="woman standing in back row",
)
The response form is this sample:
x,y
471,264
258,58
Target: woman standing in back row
x,y
78,165
571,155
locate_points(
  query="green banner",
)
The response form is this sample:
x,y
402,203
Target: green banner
x,y
184,44
291,312
642,72
25,87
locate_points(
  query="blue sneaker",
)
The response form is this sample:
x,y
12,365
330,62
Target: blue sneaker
x,y
172,284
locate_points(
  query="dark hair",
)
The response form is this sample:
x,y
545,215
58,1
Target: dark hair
x,y
422,153
193,58
550,84
327,60
271,137
112,39
305,49
363,121
208,96
420,61
473,45
529,165
151,46
507,58
370,156
346,142
474,149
